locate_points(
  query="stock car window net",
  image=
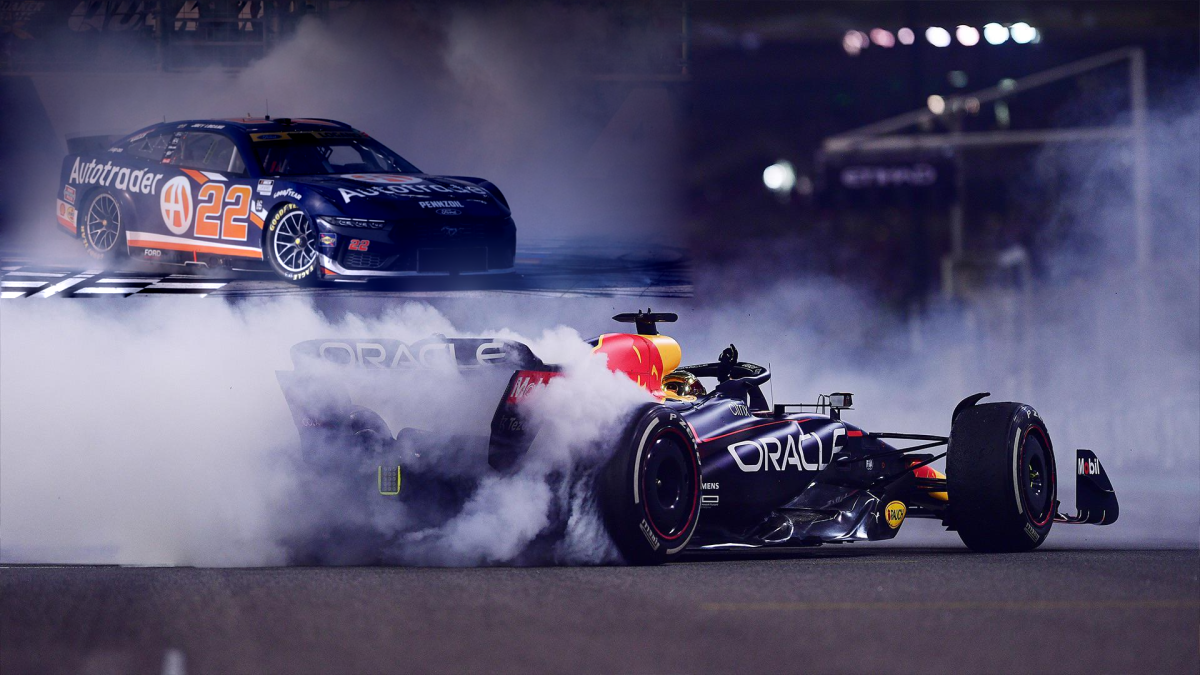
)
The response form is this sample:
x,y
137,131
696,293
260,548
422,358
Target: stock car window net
x,y
210,152
303,155
151,146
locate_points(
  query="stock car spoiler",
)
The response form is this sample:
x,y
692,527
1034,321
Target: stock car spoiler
x,y
85,145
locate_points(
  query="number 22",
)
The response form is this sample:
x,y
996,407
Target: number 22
x,y
223,214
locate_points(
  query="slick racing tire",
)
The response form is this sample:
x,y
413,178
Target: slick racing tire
x,y
1001,480
290,245
102,226
649,490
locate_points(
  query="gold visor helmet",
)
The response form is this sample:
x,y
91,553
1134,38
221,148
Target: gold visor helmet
x,y
682,384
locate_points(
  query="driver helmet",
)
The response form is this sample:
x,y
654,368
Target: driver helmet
x,y
682,384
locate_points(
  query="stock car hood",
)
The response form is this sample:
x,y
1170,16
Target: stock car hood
x,y
396,196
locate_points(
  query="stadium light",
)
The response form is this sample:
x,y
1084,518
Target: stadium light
x,y
780,177
854,42
905,36
937,36
1022,33
937,104
883,38
995,34
968,36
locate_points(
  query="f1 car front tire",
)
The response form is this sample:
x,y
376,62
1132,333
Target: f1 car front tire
x,y
290,245
103,226
1001,479
649,491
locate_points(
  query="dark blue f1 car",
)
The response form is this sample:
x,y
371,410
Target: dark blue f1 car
x,y
714,466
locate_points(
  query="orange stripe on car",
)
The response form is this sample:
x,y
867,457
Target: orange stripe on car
x,y
256,220
195,248
196,176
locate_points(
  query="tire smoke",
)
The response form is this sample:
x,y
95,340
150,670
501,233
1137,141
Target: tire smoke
x,y
158,434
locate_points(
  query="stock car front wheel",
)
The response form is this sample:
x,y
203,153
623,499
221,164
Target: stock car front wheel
x,y
103,226
290,245
1001,478
649,491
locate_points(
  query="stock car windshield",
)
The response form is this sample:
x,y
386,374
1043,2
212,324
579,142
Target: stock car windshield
x,y
320,153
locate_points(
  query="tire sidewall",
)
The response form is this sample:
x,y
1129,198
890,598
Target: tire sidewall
x,y
310,275
1027,423
984,472
620,496
92,251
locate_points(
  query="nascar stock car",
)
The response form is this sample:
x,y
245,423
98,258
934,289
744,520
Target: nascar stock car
x,y
700,467
313,198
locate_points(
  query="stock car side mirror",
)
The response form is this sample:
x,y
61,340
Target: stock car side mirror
x,y
841,400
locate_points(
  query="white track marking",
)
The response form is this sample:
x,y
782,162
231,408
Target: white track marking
x,y
102,290
9,295
187,285
64,285
131,280
23,284
37,274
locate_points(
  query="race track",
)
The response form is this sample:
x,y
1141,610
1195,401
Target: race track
x,y
553,268
857,608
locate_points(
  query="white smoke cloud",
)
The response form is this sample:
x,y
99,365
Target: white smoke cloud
x,y
501,92
157,433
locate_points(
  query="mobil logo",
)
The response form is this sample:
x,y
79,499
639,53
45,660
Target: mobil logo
x,y
175,202
525,382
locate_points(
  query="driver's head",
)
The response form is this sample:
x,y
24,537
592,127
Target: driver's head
x,y
682,384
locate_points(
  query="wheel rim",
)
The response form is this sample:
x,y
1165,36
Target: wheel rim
x,y
1037,483
103,223
668,486
294,243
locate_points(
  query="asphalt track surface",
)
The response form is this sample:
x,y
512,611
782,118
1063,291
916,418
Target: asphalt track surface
x,y
857,608
565,268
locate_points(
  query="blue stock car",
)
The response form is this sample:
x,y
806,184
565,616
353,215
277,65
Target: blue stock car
x,y
312,198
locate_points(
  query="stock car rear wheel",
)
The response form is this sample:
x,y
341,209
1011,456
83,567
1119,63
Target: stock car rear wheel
x,y
649,491
1001,478
102,226
290,245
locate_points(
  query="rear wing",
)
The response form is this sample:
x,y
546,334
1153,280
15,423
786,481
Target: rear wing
x,y
436,352
321,402
1095,498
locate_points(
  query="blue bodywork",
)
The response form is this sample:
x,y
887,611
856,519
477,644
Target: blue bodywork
x,y
204,190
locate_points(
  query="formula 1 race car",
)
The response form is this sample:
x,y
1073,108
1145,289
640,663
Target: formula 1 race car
x,y
717,468
313,198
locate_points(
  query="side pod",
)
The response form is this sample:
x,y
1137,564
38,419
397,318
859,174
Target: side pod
x,y
1094,495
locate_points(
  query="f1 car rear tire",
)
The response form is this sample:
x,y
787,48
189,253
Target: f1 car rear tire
x,y
1001,479
102,226
290,245
649,490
